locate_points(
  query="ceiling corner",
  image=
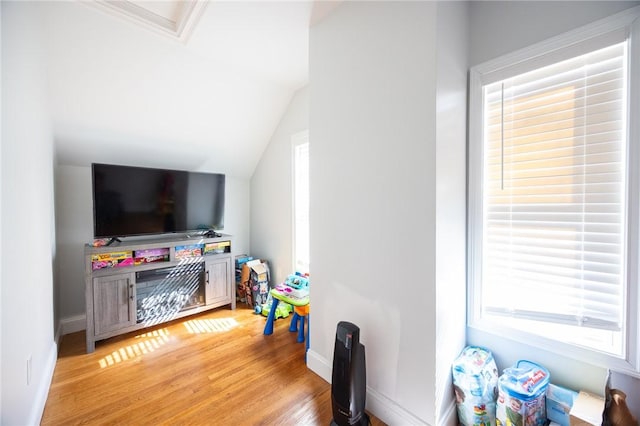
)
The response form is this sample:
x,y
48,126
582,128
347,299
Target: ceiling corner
x,y
174,18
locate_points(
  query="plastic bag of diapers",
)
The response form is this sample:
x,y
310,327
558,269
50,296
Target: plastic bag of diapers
x,y
521,395
475,381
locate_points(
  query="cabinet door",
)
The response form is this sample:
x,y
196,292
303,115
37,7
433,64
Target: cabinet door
x,y
218,281
113,302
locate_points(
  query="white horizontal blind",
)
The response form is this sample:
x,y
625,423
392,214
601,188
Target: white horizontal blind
x,y
301,207
554,192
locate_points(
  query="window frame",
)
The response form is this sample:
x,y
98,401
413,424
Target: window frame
x,y
297,139
624,25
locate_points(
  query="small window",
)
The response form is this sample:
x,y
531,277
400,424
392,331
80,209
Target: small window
x,y
553,216
301,201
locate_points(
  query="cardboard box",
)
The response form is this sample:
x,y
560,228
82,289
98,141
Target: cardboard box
x,y
241,260
587,410
631,387
255,280
559,403
260,272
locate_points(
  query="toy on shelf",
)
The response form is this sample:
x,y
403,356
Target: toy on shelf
x,y
187,251
111,260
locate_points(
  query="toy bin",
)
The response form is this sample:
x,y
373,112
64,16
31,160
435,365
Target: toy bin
x,y
521,395
475,381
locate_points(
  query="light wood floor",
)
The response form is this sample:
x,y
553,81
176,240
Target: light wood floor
x,y
216,368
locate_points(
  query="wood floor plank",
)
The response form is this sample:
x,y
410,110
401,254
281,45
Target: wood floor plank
x,y
216,368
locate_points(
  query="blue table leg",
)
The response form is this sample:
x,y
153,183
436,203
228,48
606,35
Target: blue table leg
x,y
300,338
306,349
293,326
268,327
308,335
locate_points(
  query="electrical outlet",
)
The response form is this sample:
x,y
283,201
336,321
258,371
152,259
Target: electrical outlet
x,y
29,370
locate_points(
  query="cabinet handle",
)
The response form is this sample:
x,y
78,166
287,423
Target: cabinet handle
x,y
131,291
207,277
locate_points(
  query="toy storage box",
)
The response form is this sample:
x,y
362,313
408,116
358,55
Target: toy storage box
x,y
521,395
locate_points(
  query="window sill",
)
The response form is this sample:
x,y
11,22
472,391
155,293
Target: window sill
x,y
523,345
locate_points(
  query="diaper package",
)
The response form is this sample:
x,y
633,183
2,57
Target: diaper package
x,y
475,380
521,395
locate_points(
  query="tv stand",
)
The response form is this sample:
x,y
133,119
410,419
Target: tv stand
x,y
130,285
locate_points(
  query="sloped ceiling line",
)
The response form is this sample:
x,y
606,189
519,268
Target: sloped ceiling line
x,y
119,91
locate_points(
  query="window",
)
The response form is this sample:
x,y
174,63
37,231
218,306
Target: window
x,y
553,207
301,201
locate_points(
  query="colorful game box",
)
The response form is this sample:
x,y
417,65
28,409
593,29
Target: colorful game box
x,y
193,250
151,255
216,248
111,260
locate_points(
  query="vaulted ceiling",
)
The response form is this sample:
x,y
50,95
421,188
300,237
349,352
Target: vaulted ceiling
x,y
189,85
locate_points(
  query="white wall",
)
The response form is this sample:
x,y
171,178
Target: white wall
x,y
1,274
379,104
26,309
74,229
117,88
451,150
498,28
271,186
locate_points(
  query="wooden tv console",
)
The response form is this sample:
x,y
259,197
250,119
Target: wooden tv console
x,y
131,285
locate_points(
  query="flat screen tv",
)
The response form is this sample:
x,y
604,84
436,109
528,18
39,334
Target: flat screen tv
x,y
135,201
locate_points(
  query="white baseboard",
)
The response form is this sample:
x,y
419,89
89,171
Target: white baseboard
x,y
43,387
72,324
319,365
377,404
69,325
450,417
388,411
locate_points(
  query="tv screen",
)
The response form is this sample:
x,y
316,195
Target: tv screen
x,y
129,201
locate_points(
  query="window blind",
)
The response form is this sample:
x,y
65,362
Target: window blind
x,y
301,206
554,203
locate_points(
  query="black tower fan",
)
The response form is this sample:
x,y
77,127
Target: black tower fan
x,y
349,378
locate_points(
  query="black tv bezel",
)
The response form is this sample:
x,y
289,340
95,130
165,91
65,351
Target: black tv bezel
x,y
202,231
